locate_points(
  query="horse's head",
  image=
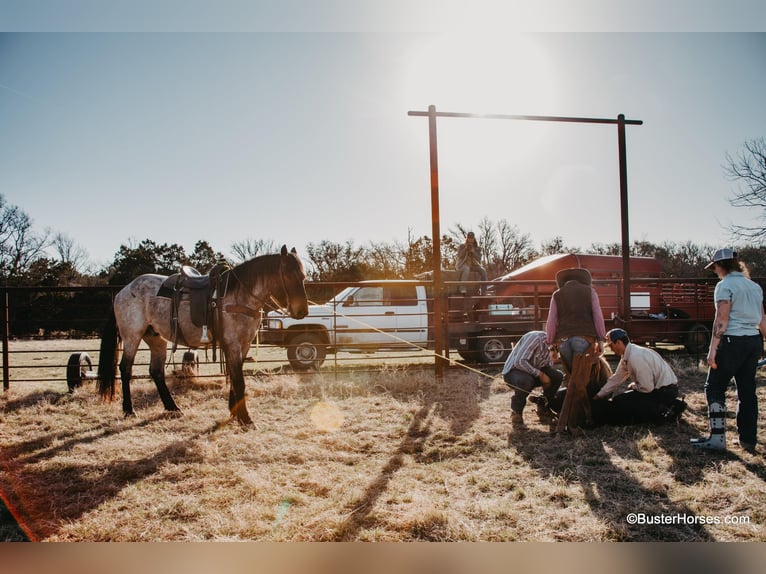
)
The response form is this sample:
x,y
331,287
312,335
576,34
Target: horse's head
x,y
293,276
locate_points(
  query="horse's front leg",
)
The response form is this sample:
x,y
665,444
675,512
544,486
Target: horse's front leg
x,y
235,359
237,402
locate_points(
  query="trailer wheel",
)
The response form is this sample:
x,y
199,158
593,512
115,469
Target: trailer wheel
x,y
697,339
492,347
76,368
306,351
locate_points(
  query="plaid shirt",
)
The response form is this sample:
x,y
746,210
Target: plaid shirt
x,y
530,354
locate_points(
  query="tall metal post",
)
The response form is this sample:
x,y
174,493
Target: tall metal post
x,y
438,320
5,334
626,311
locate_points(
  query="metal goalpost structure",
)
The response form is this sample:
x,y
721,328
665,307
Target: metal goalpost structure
x,y
432,114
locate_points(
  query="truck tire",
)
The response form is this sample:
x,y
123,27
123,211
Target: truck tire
x,y
306,351
697,339
492,347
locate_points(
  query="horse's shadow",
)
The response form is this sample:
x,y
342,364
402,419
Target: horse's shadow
x,y
451,400
34,399
31,498
610,492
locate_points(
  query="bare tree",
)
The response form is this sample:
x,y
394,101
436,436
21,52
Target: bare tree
x,y
249,248
386,260
748,168
515,249
69,252
20,246
487,238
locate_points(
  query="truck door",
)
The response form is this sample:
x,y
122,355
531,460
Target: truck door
x,y
410,312
363,319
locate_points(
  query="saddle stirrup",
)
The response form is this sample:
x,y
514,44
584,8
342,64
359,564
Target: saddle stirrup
x,y
204,338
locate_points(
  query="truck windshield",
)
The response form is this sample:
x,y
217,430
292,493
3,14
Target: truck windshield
x,y
340,296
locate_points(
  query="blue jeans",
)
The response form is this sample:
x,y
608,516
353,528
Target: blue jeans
x,y
571,347
465,270
522,383
737,357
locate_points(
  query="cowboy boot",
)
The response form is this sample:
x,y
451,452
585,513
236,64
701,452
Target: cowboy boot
x,y
717,438
517,421
544,413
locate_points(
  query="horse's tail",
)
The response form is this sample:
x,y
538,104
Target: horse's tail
x,y
107,358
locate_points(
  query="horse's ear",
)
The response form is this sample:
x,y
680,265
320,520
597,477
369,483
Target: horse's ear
x,y
294,250
283,252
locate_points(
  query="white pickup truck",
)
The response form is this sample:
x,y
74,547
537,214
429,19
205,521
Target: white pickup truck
x,y
383,316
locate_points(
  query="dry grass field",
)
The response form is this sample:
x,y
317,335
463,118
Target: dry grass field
x,y
384,455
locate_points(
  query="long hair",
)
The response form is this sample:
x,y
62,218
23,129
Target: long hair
x,y
730,265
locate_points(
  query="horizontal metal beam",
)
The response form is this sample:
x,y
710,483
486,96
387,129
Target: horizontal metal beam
x,y
528,118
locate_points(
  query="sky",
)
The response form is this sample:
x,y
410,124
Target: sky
x,y
115,128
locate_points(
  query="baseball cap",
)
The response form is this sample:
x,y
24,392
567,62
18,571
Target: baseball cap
x,y
721,255
615,335
469,234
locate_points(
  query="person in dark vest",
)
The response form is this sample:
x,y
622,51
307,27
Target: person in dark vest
x,y
575,329
575,320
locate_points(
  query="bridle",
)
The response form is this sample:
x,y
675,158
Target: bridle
x,y
271,303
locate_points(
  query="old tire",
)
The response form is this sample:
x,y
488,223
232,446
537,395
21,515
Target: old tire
x,y
492,347
306,351
697,339
76,367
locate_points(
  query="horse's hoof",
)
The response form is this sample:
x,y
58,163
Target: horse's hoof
x,y
174,413
131,415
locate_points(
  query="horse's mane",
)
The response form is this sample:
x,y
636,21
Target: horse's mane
x,y
246,274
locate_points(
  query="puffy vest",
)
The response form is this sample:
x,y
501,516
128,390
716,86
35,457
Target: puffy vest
x,y
573,303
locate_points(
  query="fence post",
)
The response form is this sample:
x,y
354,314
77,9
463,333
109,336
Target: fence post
x,y
5,331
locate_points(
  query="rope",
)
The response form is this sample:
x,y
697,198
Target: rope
x,y
451,362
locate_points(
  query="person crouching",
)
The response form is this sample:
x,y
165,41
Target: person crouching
x,y
528,366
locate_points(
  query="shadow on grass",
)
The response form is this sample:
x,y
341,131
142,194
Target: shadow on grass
x,y
610,491
453,401
39,510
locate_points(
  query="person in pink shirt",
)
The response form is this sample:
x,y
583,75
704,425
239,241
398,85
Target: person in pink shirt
x,y
575,320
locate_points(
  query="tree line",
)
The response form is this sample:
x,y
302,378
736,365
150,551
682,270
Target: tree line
x,y
29,257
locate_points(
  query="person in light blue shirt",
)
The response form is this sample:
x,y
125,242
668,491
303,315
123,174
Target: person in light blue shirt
x,y
736,345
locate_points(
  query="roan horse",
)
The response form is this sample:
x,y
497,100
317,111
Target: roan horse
x,y
139,314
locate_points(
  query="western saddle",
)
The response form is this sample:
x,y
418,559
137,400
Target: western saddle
x,y
202,291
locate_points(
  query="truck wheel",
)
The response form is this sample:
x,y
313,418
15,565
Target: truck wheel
x,y
492,347
697,339
306,351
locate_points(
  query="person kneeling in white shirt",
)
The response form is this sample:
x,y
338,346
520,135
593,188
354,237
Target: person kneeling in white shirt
x,y
643,388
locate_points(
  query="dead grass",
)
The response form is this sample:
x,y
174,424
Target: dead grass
x,y
386,456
